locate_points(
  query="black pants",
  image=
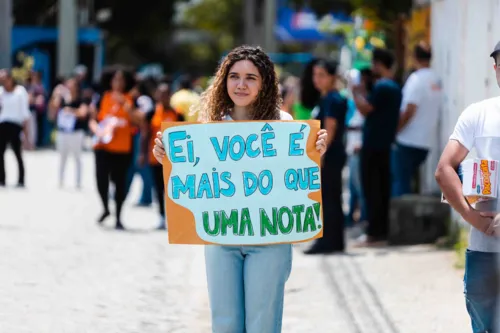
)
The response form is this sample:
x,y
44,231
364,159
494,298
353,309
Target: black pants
x,y
333,214
114,167
10,133
40,128
159,187
376,182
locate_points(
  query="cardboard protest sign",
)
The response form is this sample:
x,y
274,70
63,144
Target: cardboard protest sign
x,y
242,183
479,179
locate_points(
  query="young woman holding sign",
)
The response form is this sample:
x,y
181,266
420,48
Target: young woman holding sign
x,y
246,284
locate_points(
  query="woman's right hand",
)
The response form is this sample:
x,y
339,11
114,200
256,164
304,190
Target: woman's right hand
x,y
159,149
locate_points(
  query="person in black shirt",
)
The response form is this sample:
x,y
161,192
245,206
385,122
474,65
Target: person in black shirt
x,y
331,111
70,112
381,110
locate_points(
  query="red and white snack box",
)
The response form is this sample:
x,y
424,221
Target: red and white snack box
x,y
479,179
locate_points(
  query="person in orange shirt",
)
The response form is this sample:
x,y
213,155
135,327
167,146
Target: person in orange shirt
x,y
164,112
112,125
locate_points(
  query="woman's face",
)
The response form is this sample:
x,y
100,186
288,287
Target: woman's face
x,y
134,92
243,83
163,94
322,80
9,82
72,85
118,82
35,77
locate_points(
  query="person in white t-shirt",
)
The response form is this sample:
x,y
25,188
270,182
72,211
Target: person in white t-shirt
x,y
417,123
14,117
478,127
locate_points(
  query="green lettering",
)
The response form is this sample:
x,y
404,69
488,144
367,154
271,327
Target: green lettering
x,y
266,224
206,224
246,223
298,210
288,229
317,211
230,222
309,220
317,207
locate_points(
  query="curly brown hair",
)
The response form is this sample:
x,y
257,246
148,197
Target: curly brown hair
x,y
215,102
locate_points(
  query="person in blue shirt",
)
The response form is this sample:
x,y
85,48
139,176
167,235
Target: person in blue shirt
x,y
381,110
354,126
331,111
143,101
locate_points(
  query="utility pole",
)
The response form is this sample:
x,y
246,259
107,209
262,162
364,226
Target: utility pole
x,y
67,43
5,33
269,24
249,19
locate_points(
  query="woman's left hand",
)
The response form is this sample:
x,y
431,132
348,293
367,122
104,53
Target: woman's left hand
x,y
321,141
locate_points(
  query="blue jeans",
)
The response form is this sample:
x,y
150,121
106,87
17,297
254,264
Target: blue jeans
x,y
405,162
144,172
355,189
246,287
482,291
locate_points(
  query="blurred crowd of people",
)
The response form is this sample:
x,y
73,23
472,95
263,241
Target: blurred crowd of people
x,y
381,132
118,116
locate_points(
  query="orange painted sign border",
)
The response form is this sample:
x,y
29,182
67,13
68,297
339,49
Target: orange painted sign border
x,y
181,221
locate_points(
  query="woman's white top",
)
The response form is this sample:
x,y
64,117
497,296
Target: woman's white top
x,y
283,116
14,105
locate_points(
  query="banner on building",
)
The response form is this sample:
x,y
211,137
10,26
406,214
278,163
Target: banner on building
x,y
242,183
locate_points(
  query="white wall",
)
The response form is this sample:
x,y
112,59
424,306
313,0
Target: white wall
x,y
493,38
445,40
463,34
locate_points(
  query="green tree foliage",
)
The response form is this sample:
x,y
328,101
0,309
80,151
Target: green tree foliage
x,y
383,12
137,19
35,12
135,27
139,31
386,10
219,17
139,27
322,7
222,21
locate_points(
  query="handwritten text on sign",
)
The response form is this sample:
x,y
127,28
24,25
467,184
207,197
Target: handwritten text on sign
x,y
242,183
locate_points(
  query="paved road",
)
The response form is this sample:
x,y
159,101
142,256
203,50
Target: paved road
x,y
60,272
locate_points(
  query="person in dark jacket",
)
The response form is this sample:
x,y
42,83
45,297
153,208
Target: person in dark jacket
x,y
331,111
